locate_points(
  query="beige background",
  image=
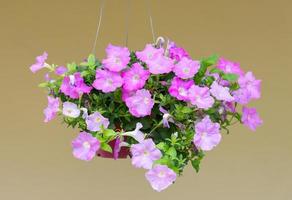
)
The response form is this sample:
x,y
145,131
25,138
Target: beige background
x,y
35,158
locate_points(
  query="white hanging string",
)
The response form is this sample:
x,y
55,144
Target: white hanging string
x,y
102,5
128,10
98,25
150,20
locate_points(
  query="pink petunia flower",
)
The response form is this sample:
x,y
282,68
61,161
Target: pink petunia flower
x,y
207,134
85,146
229,67
160,65
186,68
74,86
200,97
149,53
107,81
40,62
140,104
160,177
96,121
144,154
220,92
135,77
52,109
117,58
177,53
179,88
251,84
71,110
126,94
251,118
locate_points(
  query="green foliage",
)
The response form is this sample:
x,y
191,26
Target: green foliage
x,y
175,142
230,77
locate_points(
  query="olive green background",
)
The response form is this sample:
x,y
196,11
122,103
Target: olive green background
x,y
35,158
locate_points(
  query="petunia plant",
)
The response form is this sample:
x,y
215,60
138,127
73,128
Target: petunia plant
x,y
157,106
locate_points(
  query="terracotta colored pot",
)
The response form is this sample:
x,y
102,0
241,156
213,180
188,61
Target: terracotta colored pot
x,y
124,152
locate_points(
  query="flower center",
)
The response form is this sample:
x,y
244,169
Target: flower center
x,y
146,100
72,80
69,111
117,60
109,81
228,68
161,174
204,135
150,55
97,120
186,70
182,91
136,77
86,145
146,153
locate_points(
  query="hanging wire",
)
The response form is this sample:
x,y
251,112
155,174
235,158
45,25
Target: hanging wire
x,y
151,20
128,9
98,25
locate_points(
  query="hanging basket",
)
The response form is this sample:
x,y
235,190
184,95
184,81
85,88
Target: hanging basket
x,y
158,105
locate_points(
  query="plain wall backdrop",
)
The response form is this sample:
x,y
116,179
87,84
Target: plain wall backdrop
x,y
35,158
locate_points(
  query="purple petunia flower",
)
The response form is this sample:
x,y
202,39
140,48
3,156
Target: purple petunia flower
x,y
135,77
96,121
74,86
186,68
166,117
140,104
85,146
117,58
207,134
71,110
200,97
160,177
179,88
220,92
40,62
242,96
160,65
251,84
229,67
52,109
144,154
251,118
177,53
107,81
149,53
61,70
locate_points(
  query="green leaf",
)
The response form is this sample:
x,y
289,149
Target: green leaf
x,y
211,60
234,86
72,67
216,70
162,146
196,164
91,60
106,147
171,152
230,77
43,85
109,133
186,110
